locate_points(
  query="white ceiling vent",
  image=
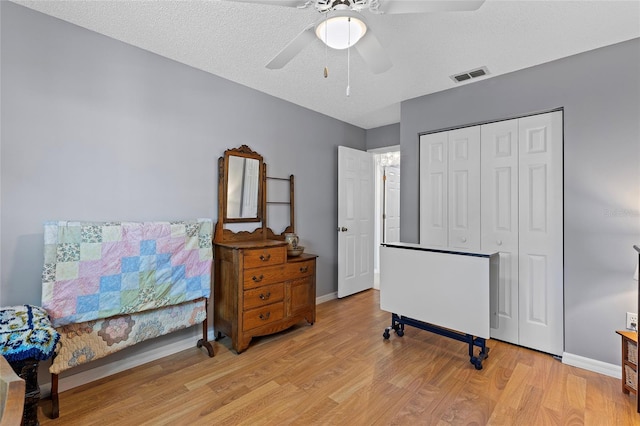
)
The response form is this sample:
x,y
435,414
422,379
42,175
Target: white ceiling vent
x,y
478,72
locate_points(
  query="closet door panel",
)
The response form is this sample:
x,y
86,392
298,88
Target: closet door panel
x,y
434,190
464,188
541,232
499,217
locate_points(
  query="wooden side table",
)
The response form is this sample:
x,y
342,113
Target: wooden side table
x,y
27,369
629,361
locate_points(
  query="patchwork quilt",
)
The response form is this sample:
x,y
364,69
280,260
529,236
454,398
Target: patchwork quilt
x,y
98,270
91,340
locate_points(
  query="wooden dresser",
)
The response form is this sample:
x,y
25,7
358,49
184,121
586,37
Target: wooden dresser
x,y
258,288
259,291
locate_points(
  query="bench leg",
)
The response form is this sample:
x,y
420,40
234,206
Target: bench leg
x,y
55,407
205,341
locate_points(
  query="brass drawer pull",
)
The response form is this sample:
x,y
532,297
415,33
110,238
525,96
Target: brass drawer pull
x,y
304,269
265,258
266,316
258,279
265,296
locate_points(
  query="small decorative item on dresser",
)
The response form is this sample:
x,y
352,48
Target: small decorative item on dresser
x,y
295,251
292,240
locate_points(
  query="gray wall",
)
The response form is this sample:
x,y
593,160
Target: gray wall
x,y
600,94
94,129
384,136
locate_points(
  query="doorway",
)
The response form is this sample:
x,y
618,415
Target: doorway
x,y
387,201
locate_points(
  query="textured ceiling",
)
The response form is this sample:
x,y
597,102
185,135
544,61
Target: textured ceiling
x,y
235,41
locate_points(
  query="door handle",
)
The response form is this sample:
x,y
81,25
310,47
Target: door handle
x,y
342,229
265,317
265,296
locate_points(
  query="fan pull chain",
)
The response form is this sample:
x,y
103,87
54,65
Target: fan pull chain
x,y
326,46
349,59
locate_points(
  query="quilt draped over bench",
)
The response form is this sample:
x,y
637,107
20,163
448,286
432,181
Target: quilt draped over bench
x,y
99,270
91,340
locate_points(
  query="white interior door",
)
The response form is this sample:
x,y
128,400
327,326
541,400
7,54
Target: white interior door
x,y
392,205
499,228
541,233
355,221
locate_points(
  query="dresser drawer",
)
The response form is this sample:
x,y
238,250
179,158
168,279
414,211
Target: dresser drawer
x,y
263,296
263,316
295,270
263,276
259,258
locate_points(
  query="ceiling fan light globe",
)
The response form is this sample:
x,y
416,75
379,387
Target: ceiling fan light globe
x,y
341,32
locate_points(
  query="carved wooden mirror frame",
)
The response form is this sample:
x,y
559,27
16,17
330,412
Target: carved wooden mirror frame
x,y
221,234
262,232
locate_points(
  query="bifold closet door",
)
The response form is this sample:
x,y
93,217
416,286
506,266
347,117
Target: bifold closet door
x,y
541,232
450,189
434,171
464,188
499,228
498,188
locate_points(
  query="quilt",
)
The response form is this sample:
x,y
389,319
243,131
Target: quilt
x,y
98,270
91,340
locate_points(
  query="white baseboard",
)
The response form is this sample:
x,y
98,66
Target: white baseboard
x,y
605,368
326,297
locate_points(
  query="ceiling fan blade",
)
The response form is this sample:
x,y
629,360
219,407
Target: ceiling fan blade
x,y
285,3
293,48
373,53
428,6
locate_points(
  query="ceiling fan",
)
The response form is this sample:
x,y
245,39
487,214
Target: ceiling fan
x,y
342,25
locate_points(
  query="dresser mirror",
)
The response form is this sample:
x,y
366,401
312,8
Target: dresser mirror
x,y
243,200
242,189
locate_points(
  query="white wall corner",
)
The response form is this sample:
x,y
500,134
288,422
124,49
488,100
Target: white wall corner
x,y
596,366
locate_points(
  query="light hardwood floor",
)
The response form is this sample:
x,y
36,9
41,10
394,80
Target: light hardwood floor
x,y
341,371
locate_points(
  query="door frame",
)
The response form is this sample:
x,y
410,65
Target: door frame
x,y
379,197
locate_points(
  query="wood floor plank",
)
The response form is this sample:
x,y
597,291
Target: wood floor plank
x,y
342,371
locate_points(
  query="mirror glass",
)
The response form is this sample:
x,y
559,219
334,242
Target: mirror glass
x,y
243,187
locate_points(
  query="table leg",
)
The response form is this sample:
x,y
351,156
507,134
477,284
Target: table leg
x,y
28,370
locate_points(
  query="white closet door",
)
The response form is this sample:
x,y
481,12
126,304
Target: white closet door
x,y
433,190
464,188
499,228
541,231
